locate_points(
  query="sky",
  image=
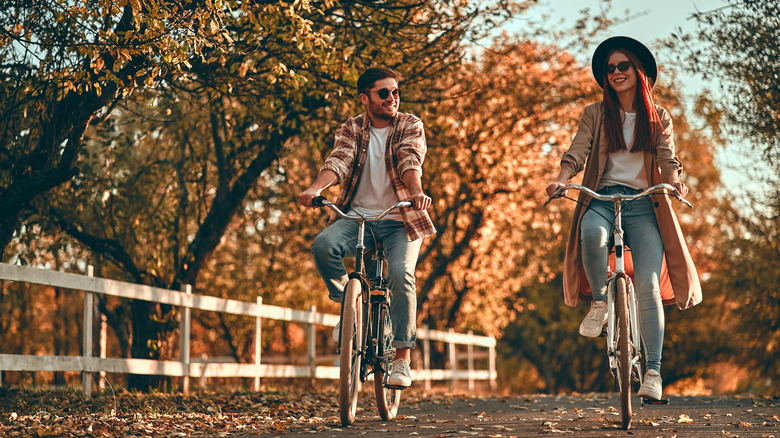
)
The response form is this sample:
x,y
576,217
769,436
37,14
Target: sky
x,y
650,22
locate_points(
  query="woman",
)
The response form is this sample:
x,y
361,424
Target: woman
x,y
624,143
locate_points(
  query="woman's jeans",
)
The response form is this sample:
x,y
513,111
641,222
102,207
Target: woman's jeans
x,y
338,241
641,234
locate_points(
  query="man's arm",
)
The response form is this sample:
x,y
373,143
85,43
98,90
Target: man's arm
x,y
420,201
325,179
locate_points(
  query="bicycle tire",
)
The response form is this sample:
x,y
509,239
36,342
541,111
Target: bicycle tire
x,y
387,399
624,352
349,358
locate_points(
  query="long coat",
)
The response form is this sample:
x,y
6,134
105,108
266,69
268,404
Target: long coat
x,y
679,281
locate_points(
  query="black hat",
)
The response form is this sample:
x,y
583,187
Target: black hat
x,y
629,44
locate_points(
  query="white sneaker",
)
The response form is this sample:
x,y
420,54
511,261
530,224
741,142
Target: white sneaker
x,y
400,376
651,385
336,330
594,321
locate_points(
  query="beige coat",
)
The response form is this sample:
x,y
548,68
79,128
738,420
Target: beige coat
x,y
681,280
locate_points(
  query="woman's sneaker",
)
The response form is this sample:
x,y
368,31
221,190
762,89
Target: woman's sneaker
x,y
651,385
401,375
594,321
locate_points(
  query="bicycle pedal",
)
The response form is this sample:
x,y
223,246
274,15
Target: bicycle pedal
x,y
648,401
395,387
603,333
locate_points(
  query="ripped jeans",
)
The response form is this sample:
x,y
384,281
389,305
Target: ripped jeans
x,y
642,235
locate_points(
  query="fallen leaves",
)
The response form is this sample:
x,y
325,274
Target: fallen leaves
x,y
684,419
68,413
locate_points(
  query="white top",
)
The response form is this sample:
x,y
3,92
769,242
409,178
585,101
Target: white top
x,y
624,167
374,193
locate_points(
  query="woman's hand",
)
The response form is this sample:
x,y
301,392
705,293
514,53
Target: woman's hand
x,y
552,187
682,188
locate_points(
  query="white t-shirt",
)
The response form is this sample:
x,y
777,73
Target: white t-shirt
x,y
374,193
624,167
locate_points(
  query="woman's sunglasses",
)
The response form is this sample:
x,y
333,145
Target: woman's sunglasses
x,y
622,66
384,93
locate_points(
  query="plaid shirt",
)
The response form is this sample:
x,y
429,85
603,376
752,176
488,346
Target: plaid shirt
x,y
407,143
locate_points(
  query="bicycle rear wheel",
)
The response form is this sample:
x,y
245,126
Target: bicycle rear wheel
x,y
349,360
624,352
387,399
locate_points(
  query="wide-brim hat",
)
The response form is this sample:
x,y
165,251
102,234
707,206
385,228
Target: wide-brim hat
x,y
622,42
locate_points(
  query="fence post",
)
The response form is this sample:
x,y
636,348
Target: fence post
x,y
312,343
453,358
258,349
185,325
103,341
86,344
492,362
470,357
427,357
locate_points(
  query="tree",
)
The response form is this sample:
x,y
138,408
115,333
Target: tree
x,y
490,138
737,45
184,154
64,67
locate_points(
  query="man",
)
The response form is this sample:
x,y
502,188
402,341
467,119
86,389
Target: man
x,y
377,159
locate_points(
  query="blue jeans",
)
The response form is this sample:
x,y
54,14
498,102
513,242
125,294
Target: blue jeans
x,y
338,241
641,234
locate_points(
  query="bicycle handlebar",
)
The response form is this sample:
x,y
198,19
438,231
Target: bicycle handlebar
x,y
320,201
660,188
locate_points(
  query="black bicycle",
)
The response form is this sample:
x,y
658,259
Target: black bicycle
x,y
365,343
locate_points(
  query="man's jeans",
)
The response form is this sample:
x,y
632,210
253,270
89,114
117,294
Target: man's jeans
x,y
338,241
647,251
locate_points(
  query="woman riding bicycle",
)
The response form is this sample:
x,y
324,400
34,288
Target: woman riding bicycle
x,y
624,143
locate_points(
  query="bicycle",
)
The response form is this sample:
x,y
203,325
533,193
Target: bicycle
x,y
366,334
624,349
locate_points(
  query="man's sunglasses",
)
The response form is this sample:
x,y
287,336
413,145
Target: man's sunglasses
x,y
384,93
623,66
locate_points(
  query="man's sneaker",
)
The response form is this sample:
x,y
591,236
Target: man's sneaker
x,y
651,385
336,331
401,376
594,321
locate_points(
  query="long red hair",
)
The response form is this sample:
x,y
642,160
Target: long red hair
x,y
648,124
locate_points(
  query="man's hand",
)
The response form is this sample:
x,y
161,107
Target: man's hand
x,y
325,179
306,197
420,201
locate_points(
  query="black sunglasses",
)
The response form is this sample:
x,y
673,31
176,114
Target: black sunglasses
x,y
622,66
384,93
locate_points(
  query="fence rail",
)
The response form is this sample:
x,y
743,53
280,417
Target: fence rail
x,y
187,367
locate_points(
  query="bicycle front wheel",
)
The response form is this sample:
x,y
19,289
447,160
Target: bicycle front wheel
x,y
387,399
349,359
624,352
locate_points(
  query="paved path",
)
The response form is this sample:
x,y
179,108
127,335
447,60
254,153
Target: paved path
x,y
589,415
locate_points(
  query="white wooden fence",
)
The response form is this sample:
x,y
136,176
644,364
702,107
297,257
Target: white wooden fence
x,y
187,367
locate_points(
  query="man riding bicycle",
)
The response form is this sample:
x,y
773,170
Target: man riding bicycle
x,y
377,160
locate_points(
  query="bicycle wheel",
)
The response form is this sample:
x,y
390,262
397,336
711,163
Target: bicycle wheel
x,y
623,353
387,399
349,360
